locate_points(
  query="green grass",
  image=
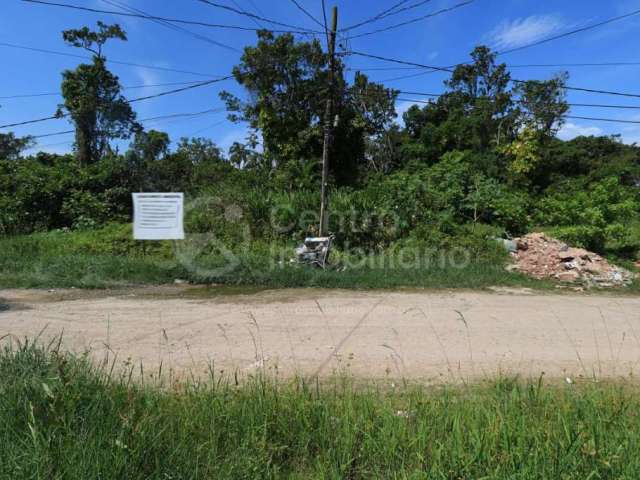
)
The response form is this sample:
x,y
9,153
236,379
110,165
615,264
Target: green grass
x,y
62,418
110,258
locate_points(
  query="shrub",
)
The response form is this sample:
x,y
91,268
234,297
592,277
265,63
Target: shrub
x,y
591,217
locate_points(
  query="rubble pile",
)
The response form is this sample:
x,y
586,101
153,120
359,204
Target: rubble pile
x,y
541,257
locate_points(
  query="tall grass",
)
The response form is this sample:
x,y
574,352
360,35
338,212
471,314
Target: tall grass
x,y
109,257
62,417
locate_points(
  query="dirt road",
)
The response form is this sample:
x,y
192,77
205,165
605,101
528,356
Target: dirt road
x,y
438,336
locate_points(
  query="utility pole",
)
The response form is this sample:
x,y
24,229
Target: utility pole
x,y
328,125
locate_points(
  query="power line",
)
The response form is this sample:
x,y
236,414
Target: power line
x,y
28,122
155,119
510,65
414,75
375,17
450,70
306,12
561,65
589,105
182,115
390,13
600,105
115,62
255,7
149,119
48,94
556,37
572,32
178,28
614,120
573,117
404,77
419,19
253,19
254,16
407,8
178,90
148,97
324,18
172,20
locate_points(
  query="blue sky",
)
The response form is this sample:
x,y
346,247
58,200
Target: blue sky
x,y
442,40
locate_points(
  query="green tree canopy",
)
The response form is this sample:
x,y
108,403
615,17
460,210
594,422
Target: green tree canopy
x,y
11,146
287,85
92,96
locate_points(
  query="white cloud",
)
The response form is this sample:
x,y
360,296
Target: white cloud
x,y
571,130
518,32
146,76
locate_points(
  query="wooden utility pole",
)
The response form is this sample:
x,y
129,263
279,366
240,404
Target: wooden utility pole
x,y
328,124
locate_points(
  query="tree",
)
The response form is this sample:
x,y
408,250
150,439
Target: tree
x,y
11,146
92,95
482,88
384,151
287,83
150,146
543,104
245,155
475,113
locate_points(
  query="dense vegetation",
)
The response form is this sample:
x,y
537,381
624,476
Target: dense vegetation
x,y
480,161
64,418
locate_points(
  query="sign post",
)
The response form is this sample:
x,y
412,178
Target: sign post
x,y
158,216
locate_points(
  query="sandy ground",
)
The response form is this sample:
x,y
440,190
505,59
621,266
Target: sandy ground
x,y
437,336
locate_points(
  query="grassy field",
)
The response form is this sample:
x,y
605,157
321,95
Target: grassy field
x,y
63,418
110,258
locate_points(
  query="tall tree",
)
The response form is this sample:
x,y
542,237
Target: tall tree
x,y
544,104
92,95
483,88
476,112
287,83
150,146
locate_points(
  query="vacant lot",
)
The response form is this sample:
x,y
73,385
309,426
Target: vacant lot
x,y
440,336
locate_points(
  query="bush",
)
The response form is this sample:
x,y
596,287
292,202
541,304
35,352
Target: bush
x,y
83,210
591,217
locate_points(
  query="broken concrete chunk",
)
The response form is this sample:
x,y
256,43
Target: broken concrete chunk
x,y
541,257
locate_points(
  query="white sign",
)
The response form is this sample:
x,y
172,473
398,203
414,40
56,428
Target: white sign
x,y
158,216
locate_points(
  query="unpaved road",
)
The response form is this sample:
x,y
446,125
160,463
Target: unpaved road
x,y
437,336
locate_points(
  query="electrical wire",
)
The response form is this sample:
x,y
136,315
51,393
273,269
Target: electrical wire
x,y
115,62
135,87
614,120
253,19
572,32
148,97
415,20
589,105
375,17
254,16
450,70
326,24
154,119
569,65
172,20
389,13
306,12
510,65
166,24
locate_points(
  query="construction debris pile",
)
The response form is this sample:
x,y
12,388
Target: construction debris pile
x,y
543,257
